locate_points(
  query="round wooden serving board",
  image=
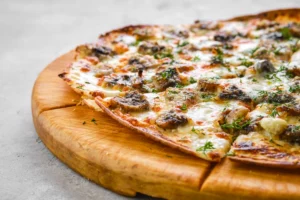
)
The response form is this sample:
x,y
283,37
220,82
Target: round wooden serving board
x,y
126,162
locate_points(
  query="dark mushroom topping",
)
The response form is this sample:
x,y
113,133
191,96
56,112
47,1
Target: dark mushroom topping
x,y
223,37
295,29
204,25
207,85
171,120
291,134
149,48
274,36
131,102
278,98
294,70
264,67
101,50
165,79
137,63
233,92
291,109
121,80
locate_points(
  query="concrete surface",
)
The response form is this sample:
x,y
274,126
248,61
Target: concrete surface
x,y
35,32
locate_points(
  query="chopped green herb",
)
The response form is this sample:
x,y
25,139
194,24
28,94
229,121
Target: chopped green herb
x,y
207,147
197,131
295,128
245,62
87,82
80,87
295,89
230,154
184,43
183,107
192,80
207,97
254,80
219,57
179,85
172,92
274,113
253,51
94,121
286,34
163,55
196,58
136,43
168,73
238,124
272,77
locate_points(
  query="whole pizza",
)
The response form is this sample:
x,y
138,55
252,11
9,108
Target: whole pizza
x,y
211,89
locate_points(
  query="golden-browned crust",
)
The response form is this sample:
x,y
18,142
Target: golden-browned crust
x,y
150,133
288,14
269,163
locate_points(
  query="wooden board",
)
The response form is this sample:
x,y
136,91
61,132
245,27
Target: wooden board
x,y
128,163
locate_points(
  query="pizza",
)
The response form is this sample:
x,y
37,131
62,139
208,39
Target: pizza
x,y
211,88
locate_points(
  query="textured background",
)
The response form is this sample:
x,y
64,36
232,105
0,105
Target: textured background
x,y
32,34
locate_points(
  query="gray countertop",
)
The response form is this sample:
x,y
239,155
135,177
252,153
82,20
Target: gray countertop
x,y
35,32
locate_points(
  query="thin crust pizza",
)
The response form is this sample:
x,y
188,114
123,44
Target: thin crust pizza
x,y
211,88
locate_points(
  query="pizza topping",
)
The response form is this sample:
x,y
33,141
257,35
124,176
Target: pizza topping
x,y
207,85
221,77
171,120
264,67
132,101
223,37
149,48
233,92
274,126
165,79
291,109
291,134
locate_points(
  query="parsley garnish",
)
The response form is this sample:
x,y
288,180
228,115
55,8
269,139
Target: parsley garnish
x,y
219,57
207,146
168,73
184,43
207,97
196,58
196,131
285,32
272,77
80,87
183,107
178,85
192,80
94,121
295,89
163,55
172,92
295,128
245,62
238,124
136,43
274,113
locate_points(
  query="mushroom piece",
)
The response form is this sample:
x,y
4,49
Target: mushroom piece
x,y
223,37
233,92
150,48
291,134
165,79
236,113
264,67
206,85
131,102
171,120
291,109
